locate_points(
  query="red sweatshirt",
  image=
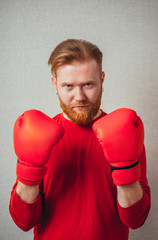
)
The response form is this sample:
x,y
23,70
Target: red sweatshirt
x,y
78,200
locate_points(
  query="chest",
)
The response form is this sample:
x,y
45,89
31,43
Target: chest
x,y
78,151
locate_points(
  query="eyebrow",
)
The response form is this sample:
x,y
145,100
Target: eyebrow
x,y
70,83
65,83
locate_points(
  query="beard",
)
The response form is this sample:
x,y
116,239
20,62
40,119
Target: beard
x,y
84,116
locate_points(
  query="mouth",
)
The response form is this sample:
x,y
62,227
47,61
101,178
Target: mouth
x,y
80,107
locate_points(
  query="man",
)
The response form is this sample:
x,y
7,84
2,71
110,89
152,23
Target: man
x,y
82,174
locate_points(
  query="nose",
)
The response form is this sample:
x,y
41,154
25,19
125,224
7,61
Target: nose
x,y
79,94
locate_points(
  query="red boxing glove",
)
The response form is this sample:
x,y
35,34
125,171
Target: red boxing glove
x,y
34,136
121,135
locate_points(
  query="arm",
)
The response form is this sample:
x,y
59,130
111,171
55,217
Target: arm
x,y
27,193
121,135
129,194
35,134
25,205
134,201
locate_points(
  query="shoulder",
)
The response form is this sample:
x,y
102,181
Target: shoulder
x,y
101,115
57,117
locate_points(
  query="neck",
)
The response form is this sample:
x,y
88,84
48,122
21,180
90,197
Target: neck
x,y
97,115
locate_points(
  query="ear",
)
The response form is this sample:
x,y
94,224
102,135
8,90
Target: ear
x,y
54,81
102,76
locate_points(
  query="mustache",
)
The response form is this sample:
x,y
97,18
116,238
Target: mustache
x,y
84,103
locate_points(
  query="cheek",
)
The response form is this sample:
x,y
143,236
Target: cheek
x,y
65,97
94,94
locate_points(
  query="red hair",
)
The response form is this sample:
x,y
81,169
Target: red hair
x,y
74,49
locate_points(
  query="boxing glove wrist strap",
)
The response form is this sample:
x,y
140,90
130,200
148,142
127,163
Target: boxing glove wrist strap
x,y
125,167
30,175
126,175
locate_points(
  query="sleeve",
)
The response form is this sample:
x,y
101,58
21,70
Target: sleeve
x,y
25,215
135,215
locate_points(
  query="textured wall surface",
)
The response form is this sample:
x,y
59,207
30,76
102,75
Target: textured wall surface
x,y
127,34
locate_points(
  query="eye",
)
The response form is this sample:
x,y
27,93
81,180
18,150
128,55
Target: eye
x,y
68,86
88,85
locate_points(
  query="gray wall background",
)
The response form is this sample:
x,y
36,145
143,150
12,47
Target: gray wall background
x,y
127,33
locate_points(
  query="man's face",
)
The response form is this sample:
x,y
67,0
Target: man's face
x,y
79,88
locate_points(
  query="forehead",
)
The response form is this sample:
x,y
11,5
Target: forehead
x,y
85,69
